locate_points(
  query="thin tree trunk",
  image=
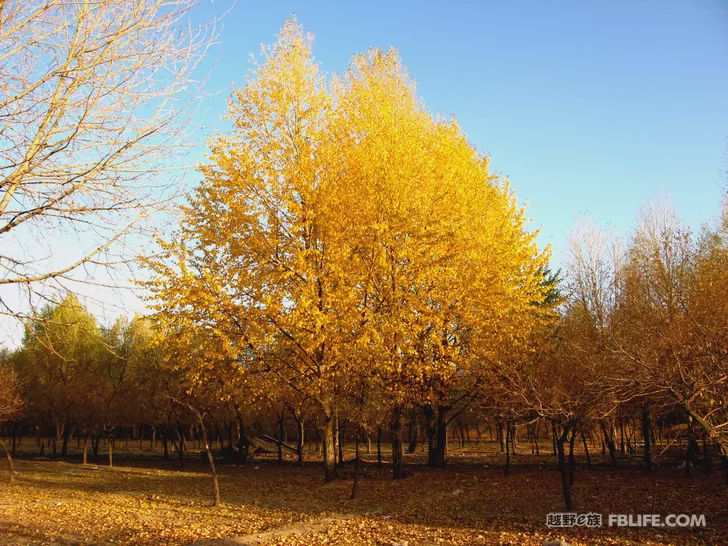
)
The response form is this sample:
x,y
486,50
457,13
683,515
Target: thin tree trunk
x,y
280,439
11,465
572,460
724,462
431,429
646,437
499,434
95,442
691,449
706,456
397,448
507,467
586,451
340,441
165,444
300,429
514,436
243,442
379,446
357,462
337,437
414,430
610,444
14,439
66,436
211,461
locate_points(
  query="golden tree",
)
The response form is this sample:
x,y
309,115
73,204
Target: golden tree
x,y
60,363
256,265
447,273
347,237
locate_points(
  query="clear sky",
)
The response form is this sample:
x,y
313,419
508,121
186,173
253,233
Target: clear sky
x,y
591,108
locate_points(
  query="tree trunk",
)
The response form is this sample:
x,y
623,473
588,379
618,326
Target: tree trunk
x,y
13,438
64,445
565,487
357,462
337,437
181,443
572,460
219,438
85,449
499,434
507,467
327,437
379,446
514,436
413,434
431,428
646,437
340,441
211,461
724,463
610,443
586,451
95,442
692,447
441,437
300,429
11,466
243,443
706,456
280,439
397,451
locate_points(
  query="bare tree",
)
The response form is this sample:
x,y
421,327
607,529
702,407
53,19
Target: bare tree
x,y
94,95
673,320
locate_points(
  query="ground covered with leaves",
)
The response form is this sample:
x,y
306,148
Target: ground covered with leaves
x,y
472,502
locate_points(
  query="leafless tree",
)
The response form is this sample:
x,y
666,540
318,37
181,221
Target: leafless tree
x,y
94,96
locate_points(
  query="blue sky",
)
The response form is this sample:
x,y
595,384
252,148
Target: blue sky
x,y
590,108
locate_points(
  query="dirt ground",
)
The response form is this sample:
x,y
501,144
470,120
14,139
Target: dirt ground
x,y
472,502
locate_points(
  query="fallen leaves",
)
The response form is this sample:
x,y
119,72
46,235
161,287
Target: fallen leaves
x,y
62,503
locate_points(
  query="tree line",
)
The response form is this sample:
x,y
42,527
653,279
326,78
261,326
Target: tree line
x,y
349,262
